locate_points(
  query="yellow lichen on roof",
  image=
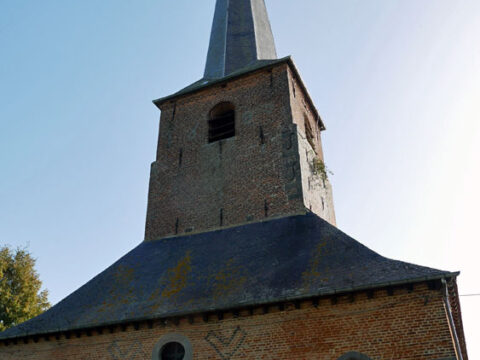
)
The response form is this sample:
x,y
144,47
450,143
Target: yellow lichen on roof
x,y
178,276
228,280
313,272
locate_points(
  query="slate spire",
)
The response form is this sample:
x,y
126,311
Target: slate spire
x,y
241,34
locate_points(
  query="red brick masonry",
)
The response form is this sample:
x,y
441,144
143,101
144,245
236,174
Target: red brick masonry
x,y
403,326
263,171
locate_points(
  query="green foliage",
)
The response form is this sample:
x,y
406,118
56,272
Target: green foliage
x,y
20,294
320,168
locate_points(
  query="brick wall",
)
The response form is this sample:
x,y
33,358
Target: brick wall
x,y
405,326
316,187
258,174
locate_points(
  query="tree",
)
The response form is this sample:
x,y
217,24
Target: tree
x,y
21,297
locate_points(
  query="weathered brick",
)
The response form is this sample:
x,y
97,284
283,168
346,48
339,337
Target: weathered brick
x,y
399,327
237,175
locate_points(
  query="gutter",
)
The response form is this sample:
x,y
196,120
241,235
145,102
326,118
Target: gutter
x,y
321,294
453,330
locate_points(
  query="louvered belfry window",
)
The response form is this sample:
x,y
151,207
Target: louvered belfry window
x,y
221,124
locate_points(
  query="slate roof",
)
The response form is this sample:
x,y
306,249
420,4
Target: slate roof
x,y
279,260
241,33
241,41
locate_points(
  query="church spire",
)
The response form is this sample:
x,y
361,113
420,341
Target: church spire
x,y
241,35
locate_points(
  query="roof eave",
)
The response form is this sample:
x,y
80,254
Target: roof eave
x,y
219,81
445,275
287,59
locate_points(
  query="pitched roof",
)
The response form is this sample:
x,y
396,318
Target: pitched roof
x,y
279,260
203,82
241,34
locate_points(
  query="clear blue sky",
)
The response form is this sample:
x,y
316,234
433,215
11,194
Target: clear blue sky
x,y
397,83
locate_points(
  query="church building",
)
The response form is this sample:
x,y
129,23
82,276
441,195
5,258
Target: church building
x,y
242,259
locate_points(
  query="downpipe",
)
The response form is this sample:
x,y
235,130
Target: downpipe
x,y
453,330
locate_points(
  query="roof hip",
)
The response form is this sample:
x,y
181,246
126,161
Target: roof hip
x,y
241,34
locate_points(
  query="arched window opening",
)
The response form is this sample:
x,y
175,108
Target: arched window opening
x,y
354,356
221,123
309,133
173,351
173,347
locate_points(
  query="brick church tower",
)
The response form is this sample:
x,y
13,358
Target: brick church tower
x,y
242,258
242,144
